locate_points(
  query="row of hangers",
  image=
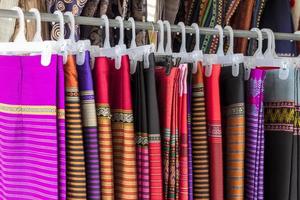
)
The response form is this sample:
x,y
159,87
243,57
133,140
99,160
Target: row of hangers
x,y
141,53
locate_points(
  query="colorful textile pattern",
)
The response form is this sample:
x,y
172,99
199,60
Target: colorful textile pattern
x,y
212,98
199,138
76,176
89,124
122,130
183,134
75,6
140,123
167,90
233,106
61,128
189,123
155,158
30,128
254,138
102,88
281,106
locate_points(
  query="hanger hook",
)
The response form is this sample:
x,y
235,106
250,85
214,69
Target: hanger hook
x,y
273,43
258,52
221,41
21,34
106,40
72,25
120,20
61,25
133,43
38,24
268,51
183,37
197,35
160,47
169,37
231,40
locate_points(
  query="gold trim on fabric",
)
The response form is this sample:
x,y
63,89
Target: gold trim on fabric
x,y
61,113
23,109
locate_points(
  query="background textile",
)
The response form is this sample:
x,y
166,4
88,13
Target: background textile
x,y
7,25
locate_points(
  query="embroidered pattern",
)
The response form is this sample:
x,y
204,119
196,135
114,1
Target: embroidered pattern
x,y
214,130
235,109
122,117
104,112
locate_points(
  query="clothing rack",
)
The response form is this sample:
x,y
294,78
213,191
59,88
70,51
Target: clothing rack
x,y
92,21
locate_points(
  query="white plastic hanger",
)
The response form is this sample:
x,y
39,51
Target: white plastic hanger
x,y
62,43
270,58
197,54
21,46
160,46
138,53
168,48
250,60
38,33
80,47
236,59
107,50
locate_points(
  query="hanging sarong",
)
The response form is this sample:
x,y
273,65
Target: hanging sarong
x,y
212,97
31,124
155,158
281,135
167,90
254,138
118,102
89,124
189,123
102,95
233,106
76,176
140,124
199,138
61,125
183,134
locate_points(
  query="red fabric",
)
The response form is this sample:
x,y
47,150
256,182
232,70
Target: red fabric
x,y
167,91
212,97
183,134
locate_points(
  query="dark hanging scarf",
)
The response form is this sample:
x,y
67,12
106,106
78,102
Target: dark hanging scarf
x,y
282,136
233,106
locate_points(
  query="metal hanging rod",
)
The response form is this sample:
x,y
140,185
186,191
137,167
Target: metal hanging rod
x,y
92,21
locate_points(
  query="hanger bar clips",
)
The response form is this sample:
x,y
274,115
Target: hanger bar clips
x,y
92,21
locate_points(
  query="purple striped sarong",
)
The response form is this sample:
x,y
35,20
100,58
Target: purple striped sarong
x,y
89,124
254,168
32,152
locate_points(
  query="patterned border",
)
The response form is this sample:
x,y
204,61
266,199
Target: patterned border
x,y
25,109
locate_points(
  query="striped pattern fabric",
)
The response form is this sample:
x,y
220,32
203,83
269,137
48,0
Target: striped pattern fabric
x,y
189,123
125,173
101,75
155,158
167,89
89,123
30,128
215,138
233,105
76,176
140,123
116,83
183,134
254,138
61,128
199,138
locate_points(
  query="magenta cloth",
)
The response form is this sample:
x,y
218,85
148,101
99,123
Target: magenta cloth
x,y
31,130
254,157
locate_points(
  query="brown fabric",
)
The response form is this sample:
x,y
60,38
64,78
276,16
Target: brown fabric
x,y
30,26
244,12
